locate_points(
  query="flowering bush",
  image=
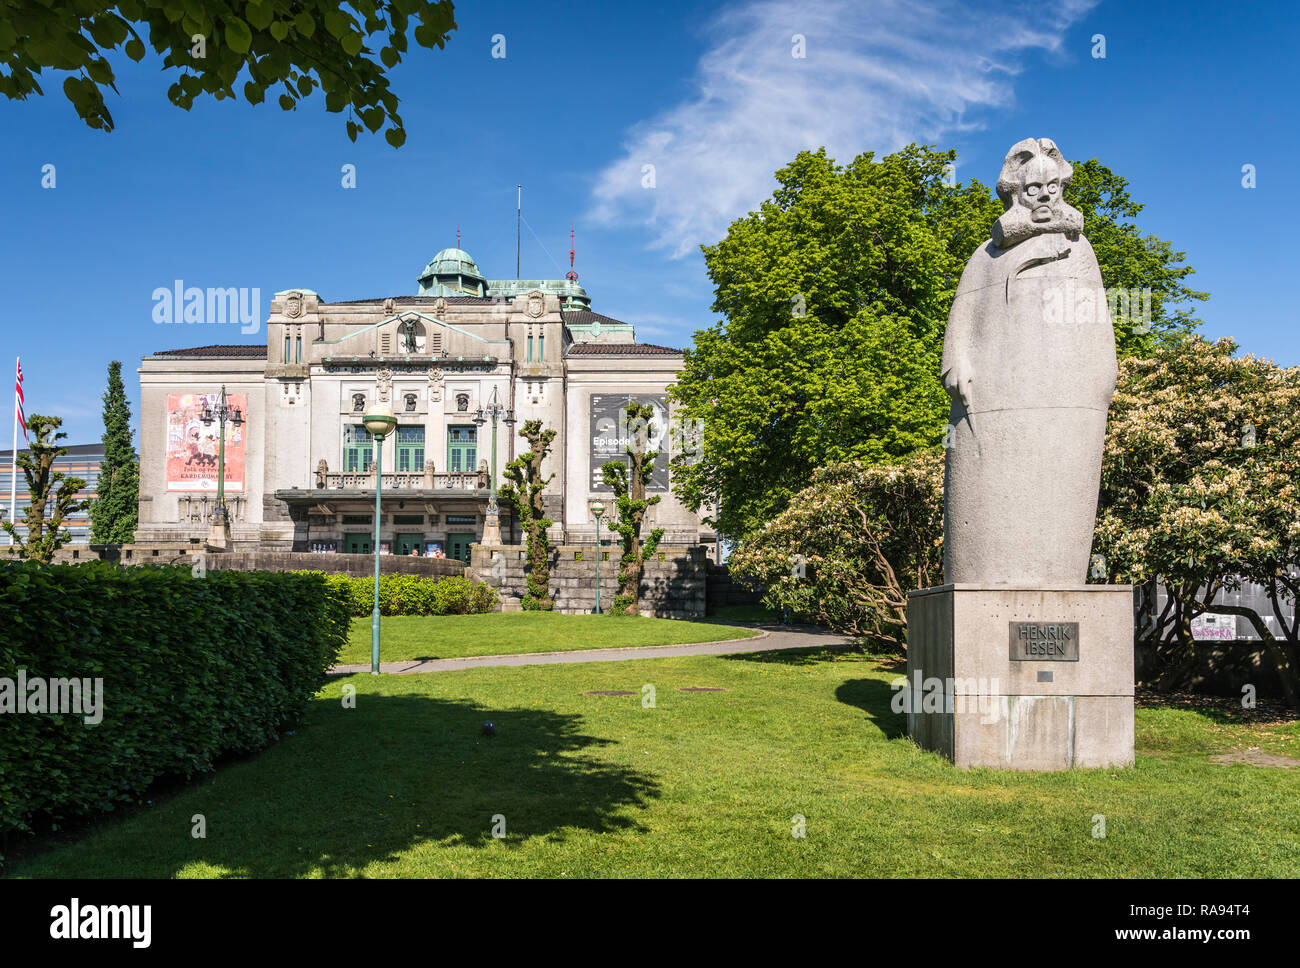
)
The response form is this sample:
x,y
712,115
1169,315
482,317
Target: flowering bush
x,y
1199,487
851,545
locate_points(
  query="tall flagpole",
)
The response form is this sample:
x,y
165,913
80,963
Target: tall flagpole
x,y
519,214
13,471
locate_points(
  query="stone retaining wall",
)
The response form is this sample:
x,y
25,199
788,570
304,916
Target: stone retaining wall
x,y
673,586
725,590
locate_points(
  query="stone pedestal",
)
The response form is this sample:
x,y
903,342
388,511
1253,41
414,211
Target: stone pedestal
x,y
1022,678
219,531
491,528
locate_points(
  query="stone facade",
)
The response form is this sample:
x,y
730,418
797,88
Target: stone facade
x,y
300,471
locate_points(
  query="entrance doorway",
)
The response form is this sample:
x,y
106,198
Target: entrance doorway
x,y
405,542
357,544
458,546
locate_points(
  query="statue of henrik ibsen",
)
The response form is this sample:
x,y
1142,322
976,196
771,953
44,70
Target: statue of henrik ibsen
x,y
1029,363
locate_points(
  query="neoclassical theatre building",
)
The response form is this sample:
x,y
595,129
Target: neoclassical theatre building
x,y
299,470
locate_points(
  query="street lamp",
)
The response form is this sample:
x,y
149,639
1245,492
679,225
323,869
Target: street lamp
x,y
219,532
598,510
492,522
379,421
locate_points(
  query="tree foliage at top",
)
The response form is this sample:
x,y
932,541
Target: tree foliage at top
x,y
44,483
293,46
834,298
114,511
1132,262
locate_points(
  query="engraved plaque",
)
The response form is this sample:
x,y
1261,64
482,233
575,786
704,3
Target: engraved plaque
x,y
1044,642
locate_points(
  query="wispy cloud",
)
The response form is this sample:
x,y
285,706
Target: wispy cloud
x,y
878,74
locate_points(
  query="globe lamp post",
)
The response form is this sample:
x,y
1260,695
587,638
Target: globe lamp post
x,y
379,421
597,510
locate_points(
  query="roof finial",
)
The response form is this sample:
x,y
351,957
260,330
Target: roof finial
x,y
458,235
571,275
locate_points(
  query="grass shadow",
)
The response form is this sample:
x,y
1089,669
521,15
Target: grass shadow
x,y
874,698
369,784
813,655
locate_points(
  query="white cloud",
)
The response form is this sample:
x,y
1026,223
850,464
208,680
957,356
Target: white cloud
x,y
877,75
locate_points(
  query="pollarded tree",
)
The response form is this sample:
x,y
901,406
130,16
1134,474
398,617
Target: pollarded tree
x,y
293,46
114,511
44,483
628,481
851,545
1201,488
524,492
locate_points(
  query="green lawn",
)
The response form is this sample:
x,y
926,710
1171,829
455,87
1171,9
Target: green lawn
x,y
705,783
502,633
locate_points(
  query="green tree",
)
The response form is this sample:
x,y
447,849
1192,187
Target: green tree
x,y
524,492
43,484
834,297
114,511
851,545
1132,262
628,481
295,46
1200,489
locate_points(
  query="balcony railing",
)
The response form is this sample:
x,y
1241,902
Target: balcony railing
x,y
408,480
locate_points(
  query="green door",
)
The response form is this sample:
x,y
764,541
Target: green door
x,y
356,544
405,542
458,546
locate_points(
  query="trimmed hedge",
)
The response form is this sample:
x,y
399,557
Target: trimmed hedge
x,y
414,594
192,668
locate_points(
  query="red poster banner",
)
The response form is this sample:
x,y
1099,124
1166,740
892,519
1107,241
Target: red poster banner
x,y
192,444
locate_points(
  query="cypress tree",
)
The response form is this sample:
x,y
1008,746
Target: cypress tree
x,y
114,512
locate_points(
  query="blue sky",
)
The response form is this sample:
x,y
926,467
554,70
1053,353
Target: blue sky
x,y
588,93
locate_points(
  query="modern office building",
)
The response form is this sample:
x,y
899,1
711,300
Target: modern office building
x,y
82,460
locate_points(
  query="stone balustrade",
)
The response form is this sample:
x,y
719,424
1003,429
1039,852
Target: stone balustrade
x,y
408,480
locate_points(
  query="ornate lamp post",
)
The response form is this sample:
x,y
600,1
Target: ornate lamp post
x,y
219,532
598,511
495,410
379,420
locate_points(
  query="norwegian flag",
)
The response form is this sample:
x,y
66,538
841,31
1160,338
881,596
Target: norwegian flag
x,y
18,403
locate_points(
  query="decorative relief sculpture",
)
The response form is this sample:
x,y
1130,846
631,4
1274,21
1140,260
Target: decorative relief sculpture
x,y
1029,363
322,469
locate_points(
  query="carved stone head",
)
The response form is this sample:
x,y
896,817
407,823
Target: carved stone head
x,y
1032,189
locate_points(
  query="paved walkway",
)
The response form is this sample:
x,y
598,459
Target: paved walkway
x,y
773,638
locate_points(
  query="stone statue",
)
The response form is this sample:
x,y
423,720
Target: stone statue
x,y
1029,363
483,473
429,474
322,468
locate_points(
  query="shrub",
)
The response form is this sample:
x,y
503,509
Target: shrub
x,y
414,594
851,545
191,667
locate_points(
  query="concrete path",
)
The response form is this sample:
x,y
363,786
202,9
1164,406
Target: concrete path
x,y
773,638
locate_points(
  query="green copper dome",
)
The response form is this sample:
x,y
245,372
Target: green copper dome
x,y
452,272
